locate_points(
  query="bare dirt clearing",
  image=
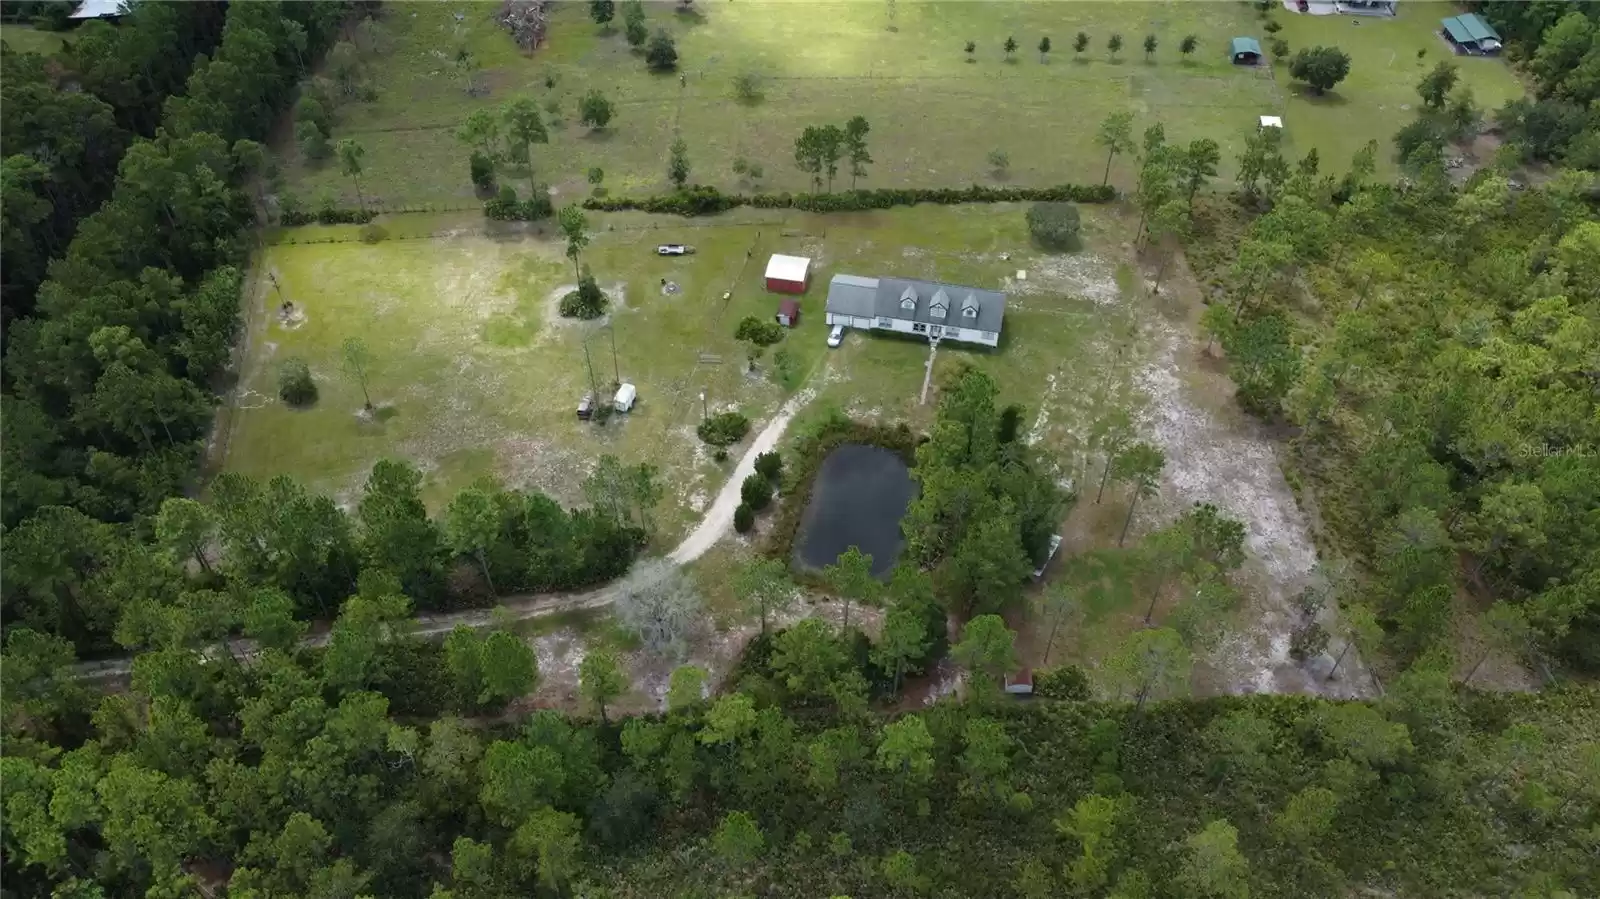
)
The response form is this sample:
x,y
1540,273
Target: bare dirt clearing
x,y
1150,365
1216,455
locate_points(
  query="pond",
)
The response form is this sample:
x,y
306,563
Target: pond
x,y
860,495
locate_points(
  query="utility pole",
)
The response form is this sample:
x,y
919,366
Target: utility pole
x,y
615,368
594,386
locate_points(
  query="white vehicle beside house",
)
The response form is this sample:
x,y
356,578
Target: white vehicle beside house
x,y
836,336
925,309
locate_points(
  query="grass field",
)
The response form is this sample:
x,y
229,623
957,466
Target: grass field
x,y
475,372
935,116
27,39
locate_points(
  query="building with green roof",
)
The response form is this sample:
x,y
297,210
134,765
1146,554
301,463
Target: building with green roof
x,y
1471,34
1244,51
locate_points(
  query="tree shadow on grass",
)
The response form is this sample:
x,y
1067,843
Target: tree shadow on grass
x,y
1330,97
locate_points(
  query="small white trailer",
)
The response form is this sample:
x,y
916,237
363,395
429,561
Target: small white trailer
x,y
626,394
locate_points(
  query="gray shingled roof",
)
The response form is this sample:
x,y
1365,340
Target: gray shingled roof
x,y
853,295
884,297
991,304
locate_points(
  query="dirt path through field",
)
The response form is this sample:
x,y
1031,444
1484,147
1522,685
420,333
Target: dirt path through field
x,y
719,517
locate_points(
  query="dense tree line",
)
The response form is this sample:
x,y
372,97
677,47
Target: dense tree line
x,y
1558,45
987,504
65,122
70,575
108,380
1437,347
349,771
49,15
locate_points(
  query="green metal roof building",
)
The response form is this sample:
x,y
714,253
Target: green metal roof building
x,y
1244,50
1471,33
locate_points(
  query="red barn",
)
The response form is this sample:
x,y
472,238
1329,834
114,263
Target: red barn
x,y
789,313
788,274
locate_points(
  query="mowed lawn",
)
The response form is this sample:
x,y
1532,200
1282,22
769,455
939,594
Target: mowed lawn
x,y
474,371
27,39
1380,95
935,116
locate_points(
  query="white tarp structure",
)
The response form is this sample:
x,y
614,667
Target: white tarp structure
x,y
1271,121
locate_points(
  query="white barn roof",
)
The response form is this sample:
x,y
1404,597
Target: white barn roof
x,y
788,268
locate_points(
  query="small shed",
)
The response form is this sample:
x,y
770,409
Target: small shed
x,y
789,313
1244,51
788,274
626,394
1471,34
1020,682
1271,121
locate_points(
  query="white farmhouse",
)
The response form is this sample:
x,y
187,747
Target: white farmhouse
x,y
921,308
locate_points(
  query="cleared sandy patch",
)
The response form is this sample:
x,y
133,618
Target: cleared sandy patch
x,y
1216,455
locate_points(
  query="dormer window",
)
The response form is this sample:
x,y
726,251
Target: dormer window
x,y
969,307
940,305
908,299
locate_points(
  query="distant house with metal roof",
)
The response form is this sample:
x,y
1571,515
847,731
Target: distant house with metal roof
x,y
928,309
100,9
1365,7
1471,34
1244,51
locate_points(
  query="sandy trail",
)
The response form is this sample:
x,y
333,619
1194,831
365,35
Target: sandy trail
x,y
716,522
719,517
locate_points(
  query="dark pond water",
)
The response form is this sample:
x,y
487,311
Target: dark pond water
x,y
859,497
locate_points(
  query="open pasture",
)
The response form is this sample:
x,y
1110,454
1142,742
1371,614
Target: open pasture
x,y
937,114
474,372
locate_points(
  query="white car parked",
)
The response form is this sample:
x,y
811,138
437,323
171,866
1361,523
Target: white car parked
x,y
673,249
836,336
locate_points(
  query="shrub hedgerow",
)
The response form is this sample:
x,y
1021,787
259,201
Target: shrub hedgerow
x,y
702,200
507,208
327,215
